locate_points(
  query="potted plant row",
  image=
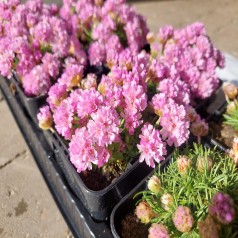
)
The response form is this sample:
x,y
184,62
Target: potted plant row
x,y
113,110
194,196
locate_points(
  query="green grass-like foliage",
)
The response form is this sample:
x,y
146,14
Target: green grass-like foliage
x,y
195,189
231,117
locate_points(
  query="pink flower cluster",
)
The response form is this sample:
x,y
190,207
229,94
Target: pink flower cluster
x,y
34,42
222,208
105,25
145,101
193,55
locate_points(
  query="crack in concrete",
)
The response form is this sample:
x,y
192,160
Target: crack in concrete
x,y
14,158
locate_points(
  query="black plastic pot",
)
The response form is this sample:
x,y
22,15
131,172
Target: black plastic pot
x,y
213,105
77,217
31,104
127,203
98,203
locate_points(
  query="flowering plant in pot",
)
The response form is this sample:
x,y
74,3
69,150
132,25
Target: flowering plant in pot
x,y
140,109
35,46
194,196
105,28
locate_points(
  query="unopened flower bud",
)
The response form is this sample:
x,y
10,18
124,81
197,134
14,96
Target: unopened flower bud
x,y
204,163
208,228
144,212
183,219
167,201
184,164
154,184
44,117
158,230
230,90
150,37
231,107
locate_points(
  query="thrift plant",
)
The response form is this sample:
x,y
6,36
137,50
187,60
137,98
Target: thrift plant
x,y
195,196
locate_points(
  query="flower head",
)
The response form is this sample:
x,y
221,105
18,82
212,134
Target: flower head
x,y
158,231
222,208
104,126
144,212
208,228
230,90
183,219
151,147
44,117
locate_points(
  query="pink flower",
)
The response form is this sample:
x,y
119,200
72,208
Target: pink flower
x,y
174,123
158,231
44,117
52,64
89,82
183,219
82,151
104,126
63,119
151,147
158,103
88,102
72,76
97,53
37,82
222,208
57,93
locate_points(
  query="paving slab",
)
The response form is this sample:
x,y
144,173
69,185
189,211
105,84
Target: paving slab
x,y
26,206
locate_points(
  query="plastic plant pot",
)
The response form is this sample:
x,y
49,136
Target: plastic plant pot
x,y
98,203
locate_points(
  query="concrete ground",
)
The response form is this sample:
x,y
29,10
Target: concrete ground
x,y
26,206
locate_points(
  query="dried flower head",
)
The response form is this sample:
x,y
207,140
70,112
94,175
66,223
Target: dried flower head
x,y
230,90
208,228
183,219
204,163
144,212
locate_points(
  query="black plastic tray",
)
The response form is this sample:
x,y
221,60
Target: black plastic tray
x,y
75,214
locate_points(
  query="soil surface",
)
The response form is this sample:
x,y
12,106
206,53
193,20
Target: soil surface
x,y
131,227
94,180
